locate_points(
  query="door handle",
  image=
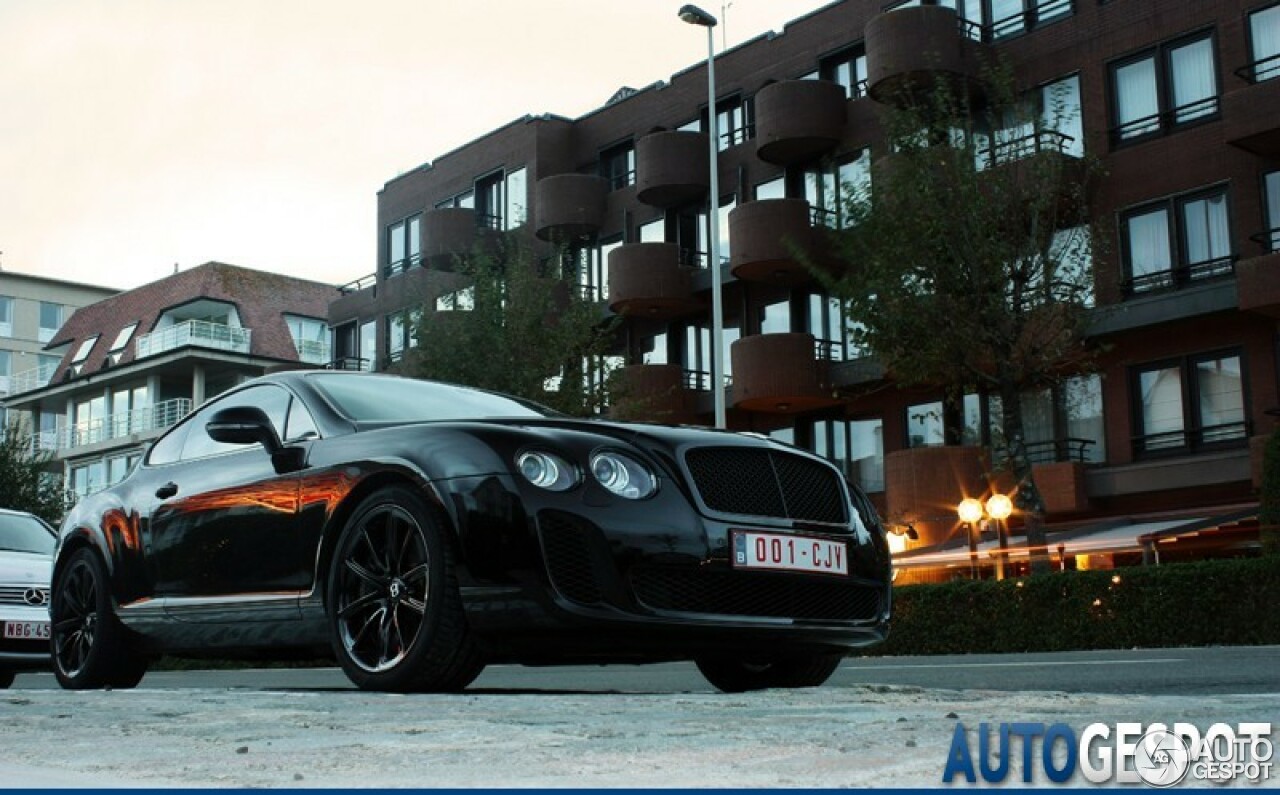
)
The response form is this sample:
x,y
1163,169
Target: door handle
x,y
167,490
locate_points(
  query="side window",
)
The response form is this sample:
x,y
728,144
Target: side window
x,y
271,399
300,424
168,448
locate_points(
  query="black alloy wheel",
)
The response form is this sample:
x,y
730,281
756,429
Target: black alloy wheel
x,y
733,675
91,648
396,616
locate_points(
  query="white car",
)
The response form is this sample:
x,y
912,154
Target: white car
x,y
26,561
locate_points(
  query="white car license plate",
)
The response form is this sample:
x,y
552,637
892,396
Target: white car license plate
x,y
778,552
26,630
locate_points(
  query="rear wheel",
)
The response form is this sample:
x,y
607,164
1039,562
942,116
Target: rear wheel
x,y
395,613
91,648
734,675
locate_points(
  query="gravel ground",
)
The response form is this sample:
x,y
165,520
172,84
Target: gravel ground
x,y
825,737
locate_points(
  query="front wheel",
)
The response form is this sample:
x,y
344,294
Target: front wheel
x,y
395,612
734,675
91,648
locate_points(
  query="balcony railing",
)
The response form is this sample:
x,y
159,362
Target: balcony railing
x,y
312,351
115,426
27,380
1261,69
363,283
1060,450
700,380
1026,146
1180,276
1270,239
200,333
1165,120
1191,440
353,363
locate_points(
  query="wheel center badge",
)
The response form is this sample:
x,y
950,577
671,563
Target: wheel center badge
x,y
396,588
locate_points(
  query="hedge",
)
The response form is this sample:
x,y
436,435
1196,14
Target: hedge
x,y
1220,602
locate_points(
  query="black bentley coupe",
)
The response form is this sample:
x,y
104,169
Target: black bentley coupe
x,y
417,531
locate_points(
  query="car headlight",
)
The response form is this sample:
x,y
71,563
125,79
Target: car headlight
x,y
547,471
623,475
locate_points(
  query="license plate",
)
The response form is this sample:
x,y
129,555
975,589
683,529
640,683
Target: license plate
x,y
26,630
776,552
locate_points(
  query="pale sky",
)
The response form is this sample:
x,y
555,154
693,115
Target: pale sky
x,y
136,134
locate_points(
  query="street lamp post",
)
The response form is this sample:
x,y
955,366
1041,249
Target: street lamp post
x,y
999,507
696,16
970,512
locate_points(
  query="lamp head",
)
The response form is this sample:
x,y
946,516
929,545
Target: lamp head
x,y
969,510
999,506
696,16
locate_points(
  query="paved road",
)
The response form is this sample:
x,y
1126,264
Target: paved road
x,y
1207,671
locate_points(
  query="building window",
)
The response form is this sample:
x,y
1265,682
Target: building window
x,y
6,369
1008,18
465,200
51,317
463,300
1271,191
847,68
82,353
88,478
404,244
368,340
1176,241
1164,88
6,316
310,338
618,165
399,335
654,231
924,425
130,411
516,192
121,342
856,446
776,318
831,327
829,189
1264,44
735,121
773,189
653,349
489,201
1185,405
118,467
698,352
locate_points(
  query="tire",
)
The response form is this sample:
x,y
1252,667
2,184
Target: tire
x,y
395,613
733,675
6,679
91,648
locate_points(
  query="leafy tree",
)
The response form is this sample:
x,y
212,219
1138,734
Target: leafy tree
x,y
518,328
25,483
965,261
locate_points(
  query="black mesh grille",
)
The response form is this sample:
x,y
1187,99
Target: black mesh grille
x,y
754,594
568,556
766,483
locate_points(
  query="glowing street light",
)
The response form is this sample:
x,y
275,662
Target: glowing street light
x,y
999,508
970,512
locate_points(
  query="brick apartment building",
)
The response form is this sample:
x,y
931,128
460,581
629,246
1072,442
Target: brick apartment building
x,y
122,370
1180,99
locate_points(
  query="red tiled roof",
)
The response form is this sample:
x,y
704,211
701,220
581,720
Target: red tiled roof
x,y
261,299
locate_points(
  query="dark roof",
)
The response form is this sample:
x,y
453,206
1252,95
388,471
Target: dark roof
x,y
261,299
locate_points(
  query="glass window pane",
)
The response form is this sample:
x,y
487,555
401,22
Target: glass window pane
x,y
1149,251
1061,112
1273,208
1205,226
1082,397
414,241
1264,42
1136,98
654,349
776,318
1221,398
866,453
1007,18
1160,392
924,425
1195,85
773,189
653,231
517,196
972,432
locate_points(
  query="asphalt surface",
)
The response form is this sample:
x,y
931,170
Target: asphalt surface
x,y
1189,671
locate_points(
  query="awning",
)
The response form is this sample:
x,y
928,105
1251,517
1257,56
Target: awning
x,y
1117,535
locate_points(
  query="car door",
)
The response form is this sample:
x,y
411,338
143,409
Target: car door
x,y
223,540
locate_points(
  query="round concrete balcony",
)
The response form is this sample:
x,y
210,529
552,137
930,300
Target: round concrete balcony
x,y
648,279
771,240
449,233
798,120
672,168
911,50
651,393
570,206
779,374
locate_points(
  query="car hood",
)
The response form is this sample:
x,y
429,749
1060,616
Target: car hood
x,y
25,568
672,435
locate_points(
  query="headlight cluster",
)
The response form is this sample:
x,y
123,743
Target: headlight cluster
x,y
619,473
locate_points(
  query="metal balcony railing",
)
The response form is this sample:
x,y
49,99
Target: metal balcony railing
x,y
1179,276
114,426
1260,70
200,333
312,351
363,283
27,380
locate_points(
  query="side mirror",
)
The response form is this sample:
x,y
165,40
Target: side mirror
x,y
243,425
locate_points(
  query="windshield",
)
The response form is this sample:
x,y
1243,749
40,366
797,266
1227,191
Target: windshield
x,y
24,534
365,398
